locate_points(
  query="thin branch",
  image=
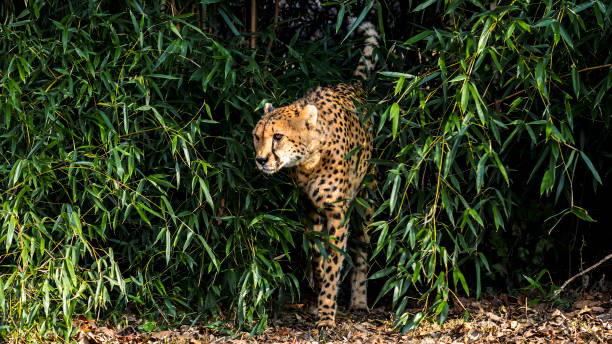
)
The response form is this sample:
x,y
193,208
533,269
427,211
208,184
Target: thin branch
x,y
586,70
557,292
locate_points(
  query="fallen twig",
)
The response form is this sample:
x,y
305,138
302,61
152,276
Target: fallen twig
x,y
557,292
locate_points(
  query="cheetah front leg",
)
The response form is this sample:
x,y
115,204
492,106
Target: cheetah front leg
x,y
326,307
316,276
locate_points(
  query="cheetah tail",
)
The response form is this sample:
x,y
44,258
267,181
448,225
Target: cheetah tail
x,y
368,60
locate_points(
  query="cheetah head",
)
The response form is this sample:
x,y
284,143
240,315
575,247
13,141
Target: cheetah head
x,y
284,137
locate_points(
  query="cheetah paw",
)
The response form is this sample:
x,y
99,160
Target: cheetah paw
x,y
359,306
326,323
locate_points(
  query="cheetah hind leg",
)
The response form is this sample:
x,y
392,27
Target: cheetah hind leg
x,y
359,273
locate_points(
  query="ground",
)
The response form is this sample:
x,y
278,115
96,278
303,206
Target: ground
x,y
495,319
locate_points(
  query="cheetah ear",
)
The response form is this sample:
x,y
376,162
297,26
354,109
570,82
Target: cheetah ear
x,y
309,114
268,108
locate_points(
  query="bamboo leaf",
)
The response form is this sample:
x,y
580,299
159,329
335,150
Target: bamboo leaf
x,y
582,214
464,97
589,164
176,31
480,171
340,17
394,115
358,20
229,22
458,276
394,193
419,36
424,5
576,81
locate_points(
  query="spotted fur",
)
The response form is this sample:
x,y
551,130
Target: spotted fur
x,y
313,136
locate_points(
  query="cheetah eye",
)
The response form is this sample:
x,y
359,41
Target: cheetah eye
x,y
277,137
255,137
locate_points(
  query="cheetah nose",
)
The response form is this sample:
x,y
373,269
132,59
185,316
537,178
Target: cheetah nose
x,y
261,161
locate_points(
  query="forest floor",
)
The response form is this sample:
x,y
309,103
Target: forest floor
x,y
495,319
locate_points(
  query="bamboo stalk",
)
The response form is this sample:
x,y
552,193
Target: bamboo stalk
x,y
253,23
274,28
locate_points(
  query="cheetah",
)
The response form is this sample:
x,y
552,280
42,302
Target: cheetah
x,y
322,140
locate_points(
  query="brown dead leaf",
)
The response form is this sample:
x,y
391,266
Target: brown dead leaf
x,y
107,331
514,324
493,316
557,313
162,335
87,326
487,322
528,333
473,335
580,304
84,339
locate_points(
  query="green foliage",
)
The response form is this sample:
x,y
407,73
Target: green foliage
x,y
496,109
127,171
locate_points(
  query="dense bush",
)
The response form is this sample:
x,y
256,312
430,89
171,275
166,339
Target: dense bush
x,y
127,171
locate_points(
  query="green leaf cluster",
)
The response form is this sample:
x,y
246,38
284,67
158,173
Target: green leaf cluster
x,y
503,100
126,170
